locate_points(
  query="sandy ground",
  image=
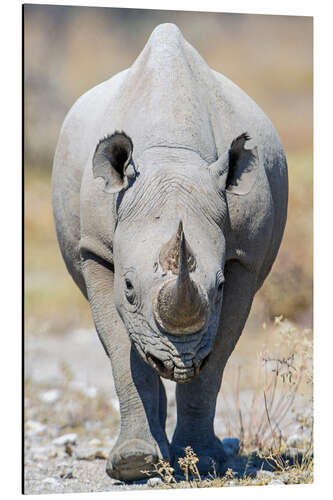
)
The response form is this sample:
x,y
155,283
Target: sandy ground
x,y
69,390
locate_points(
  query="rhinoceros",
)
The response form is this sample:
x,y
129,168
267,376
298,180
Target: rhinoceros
x,y
169,195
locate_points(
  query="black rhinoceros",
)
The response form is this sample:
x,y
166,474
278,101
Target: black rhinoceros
x,y
170,198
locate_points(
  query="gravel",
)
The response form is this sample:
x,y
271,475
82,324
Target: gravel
x,y
154,482
65,439
72,418
50,396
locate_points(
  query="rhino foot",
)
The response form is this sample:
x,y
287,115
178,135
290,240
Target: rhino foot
x,y
128,460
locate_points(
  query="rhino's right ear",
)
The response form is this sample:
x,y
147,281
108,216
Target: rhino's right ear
x,y
112,161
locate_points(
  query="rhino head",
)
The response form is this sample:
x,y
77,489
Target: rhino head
x,y
170,245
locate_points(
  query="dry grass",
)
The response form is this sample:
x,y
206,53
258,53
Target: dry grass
x,y
265,444
281,385
284,471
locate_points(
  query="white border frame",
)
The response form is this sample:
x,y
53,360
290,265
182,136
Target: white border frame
x,y
11,225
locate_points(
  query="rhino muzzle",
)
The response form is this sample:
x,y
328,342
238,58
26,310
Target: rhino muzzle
x,y
181,306
179,374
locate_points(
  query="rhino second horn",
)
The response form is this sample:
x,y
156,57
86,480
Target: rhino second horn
x,y
181,306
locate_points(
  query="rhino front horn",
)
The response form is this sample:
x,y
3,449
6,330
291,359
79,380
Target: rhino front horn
x,y
181,307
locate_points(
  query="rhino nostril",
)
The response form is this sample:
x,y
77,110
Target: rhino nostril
x,y
158,365
204,362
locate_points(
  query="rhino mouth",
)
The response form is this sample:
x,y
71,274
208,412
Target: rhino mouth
x,y
169,370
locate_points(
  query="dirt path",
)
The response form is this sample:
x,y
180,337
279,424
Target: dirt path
x,y
69,392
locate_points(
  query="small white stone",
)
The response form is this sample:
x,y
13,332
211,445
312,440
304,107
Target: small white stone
x,y
34,427
154,481
39,449
39,458
62,465
50,396
102,454
95,442
52,453
264,473
67,473
276,482
51,481
65,439
284,477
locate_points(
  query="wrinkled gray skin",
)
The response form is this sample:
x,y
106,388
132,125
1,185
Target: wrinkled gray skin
x,y
187,168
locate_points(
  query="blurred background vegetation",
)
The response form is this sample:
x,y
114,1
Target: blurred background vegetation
x,y
68,50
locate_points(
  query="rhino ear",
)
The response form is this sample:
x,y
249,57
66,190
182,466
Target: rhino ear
x,y
236,170
112,160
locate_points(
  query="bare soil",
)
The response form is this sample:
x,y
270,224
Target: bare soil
x,y
69,390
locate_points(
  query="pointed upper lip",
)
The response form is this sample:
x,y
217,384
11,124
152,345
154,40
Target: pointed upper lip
x,y
173,372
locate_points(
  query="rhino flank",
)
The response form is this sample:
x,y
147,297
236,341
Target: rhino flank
x,y
170,198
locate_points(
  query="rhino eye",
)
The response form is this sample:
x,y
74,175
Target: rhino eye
x,y
128,284
129,291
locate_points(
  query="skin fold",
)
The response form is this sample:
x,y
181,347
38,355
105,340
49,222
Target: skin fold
x,y
169,195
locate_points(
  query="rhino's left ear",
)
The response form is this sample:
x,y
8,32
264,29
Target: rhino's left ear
x,y
237,169
112,161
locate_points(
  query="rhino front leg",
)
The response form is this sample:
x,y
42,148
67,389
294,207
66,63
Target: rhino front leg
x,y
141,394
196,401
